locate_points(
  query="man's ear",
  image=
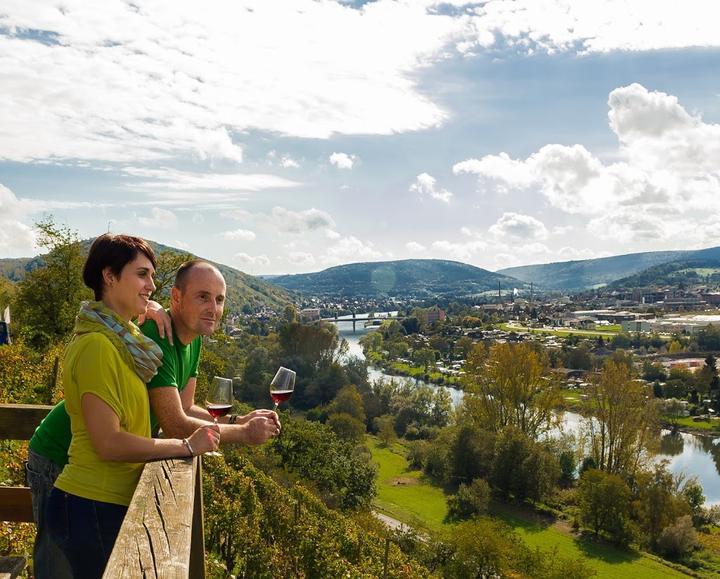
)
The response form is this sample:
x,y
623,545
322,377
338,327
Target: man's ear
x,y
174,296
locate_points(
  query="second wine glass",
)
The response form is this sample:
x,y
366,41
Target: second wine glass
x,y
219,401
282,386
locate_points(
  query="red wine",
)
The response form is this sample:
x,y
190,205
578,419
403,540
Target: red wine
x,y
279,396
218,410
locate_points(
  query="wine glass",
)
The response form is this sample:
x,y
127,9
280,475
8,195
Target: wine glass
x,y
282,386
219,401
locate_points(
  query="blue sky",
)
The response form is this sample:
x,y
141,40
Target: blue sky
x,y
292,136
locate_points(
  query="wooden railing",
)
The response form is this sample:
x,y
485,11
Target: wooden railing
x,y
162,534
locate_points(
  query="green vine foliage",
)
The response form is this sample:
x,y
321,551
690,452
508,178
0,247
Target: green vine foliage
x,y
257,528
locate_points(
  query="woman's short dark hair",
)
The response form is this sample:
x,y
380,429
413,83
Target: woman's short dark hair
x,y
115,252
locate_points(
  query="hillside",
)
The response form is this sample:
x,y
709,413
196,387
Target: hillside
x,y
589,273
417,278
698,267
241,288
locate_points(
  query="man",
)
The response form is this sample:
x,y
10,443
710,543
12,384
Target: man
x,y
197,303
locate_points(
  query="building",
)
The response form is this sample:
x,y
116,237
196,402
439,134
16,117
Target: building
x,y
435,314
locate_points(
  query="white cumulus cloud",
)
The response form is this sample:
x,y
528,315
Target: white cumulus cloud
x,y
342,160
350,249
519,226
426,185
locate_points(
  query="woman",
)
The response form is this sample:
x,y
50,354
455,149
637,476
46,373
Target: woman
x,y
106,366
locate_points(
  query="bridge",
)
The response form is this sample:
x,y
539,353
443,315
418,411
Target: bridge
x,y
371,317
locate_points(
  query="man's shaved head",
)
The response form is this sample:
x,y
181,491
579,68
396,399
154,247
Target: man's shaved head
x,y
184,271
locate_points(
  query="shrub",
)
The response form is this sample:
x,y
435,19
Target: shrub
x,y
678,539
471,500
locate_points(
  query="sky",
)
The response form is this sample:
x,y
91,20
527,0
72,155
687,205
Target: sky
x,y
291,136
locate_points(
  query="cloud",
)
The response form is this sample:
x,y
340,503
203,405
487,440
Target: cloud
x,y
176,180
586,26
287,221
165,79
300,258
664,177
342,160
425,185
16,238
252,261
238,235
350,249
160,219
466,252
415,247
519,226
289,163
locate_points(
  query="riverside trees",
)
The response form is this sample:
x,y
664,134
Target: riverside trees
x,y
510,385
622,417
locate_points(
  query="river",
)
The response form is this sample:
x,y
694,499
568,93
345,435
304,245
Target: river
x,y
688,454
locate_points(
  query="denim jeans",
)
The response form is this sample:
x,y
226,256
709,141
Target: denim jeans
x,y
85,530
49,562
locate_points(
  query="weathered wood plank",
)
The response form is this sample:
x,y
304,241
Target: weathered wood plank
x,y
19,421
16,504
11,567
155,537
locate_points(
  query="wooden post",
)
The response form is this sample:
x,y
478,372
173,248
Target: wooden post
x,y
197,541
53,378
387,557
156,536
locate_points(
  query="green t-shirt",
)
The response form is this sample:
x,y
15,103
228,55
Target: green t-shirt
x,y
180,362
93,365
52,437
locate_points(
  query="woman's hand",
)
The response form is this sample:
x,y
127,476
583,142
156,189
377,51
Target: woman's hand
x,y
205,439
157,314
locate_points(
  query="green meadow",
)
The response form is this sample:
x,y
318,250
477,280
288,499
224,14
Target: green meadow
x,y
407,496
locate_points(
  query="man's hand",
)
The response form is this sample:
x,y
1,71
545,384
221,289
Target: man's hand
x,y
259,429
157,314
261,413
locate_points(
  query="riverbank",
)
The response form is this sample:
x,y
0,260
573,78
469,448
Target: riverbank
x,y
406,495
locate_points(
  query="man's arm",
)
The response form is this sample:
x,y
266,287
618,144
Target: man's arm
x,y
191,409
170,410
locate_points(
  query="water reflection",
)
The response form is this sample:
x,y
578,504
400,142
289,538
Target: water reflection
x,y
672,444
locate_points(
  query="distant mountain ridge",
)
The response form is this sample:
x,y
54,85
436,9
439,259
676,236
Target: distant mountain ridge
x,y
419,278
242,288
590,273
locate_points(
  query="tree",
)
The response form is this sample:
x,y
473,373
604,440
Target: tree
x,y
346,426
604,501
659,501
622,418
168,262
48,298
348,401
385,426
511,385
471,500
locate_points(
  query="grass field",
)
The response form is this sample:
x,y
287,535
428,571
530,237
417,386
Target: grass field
x,y
689,423
610,332
405,495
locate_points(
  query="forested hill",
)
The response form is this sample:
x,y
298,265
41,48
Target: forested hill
x,y
589,273
419,278
241,288
695,267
